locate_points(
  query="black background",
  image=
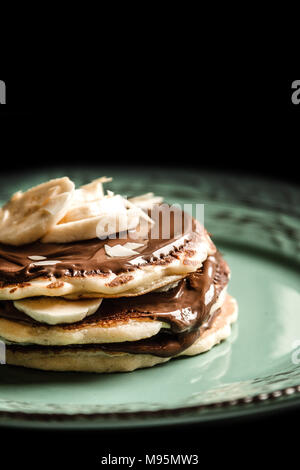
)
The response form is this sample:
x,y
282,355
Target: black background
x,y
135,115
230,123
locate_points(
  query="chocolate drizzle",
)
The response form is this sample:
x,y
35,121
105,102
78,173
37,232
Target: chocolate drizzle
x,y
88,258
185,307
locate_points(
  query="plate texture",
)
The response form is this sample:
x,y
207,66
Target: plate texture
x,y
256,224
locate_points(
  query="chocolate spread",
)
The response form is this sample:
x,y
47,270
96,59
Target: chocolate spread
x,y
186,308
89,258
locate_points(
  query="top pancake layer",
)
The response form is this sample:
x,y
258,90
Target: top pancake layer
x,y
84,269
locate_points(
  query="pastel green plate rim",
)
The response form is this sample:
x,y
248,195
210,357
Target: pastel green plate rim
x,y
279,400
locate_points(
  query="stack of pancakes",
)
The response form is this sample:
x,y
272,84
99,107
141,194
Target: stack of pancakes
x,y
74,297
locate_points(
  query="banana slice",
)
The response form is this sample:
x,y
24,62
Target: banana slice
x,y
107,205
88,218
84,211
29,216
86,229
54,310
90,192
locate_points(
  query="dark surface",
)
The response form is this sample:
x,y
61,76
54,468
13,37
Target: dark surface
x,y
233,443
229,124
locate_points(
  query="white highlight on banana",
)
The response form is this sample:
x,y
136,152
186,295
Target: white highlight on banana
x,y
55,310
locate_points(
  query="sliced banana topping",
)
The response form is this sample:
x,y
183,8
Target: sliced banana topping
x,y
86,229
55,310
83,211
90,192
29,216
101,218
56,212
106,205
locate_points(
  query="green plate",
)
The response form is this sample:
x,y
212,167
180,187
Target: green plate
x,y
256,224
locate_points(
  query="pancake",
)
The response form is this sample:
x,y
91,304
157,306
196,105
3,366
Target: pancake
x,y
184,307
84,269
94,283
93,358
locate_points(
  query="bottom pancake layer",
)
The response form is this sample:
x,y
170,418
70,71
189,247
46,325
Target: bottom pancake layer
x,y
89,358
